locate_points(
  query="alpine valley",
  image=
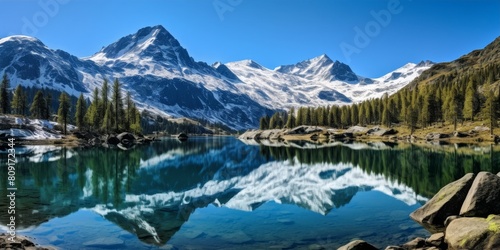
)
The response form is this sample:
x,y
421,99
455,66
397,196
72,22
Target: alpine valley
x,y
165,80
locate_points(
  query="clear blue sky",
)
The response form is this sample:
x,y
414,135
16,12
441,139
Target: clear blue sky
x,y
271,32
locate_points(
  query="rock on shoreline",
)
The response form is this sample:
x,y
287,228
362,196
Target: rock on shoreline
x,y
463,215
21,243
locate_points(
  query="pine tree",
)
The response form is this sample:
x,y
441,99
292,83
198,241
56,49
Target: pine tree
x,y
489,112
108,119
290,123
4,95
136,122
117,102
300,115
453,107
130,113
19,102
386,113
105,100
37,108
48,103
92,116
471,102
63,111
308,116
354,114
362,114
81,109
264,122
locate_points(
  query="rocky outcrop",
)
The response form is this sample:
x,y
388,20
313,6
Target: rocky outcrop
x,y
20,243
436,136
446,202
357,245
483,198
463,215
377,131
474,233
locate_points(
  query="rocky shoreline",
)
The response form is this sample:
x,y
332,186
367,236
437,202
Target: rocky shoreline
x,y
464,214
476,134
21,243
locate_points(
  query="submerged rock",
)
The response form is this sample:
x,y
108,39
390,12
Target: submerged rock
x,y
446,202
483,197
104,243
474,233
357,245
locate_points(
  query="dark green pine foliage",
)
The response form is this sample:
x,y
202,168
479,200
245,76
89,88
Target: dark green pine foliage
x,y
81,109
19,101
37,109
471,102
264,122
48,104
93,114
117,102
63,111
4,95
130,112
489,111
291,121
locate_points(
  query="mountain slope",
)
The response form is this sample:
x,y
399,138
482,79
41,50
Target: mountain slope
x,y
315,82
465,66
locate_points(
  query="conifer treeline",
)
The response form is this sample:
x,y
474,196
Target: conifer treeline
x,y
452,97
101,115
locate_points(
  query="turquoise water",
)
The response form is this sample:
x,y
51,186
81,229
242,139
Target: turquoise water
x,y
220,193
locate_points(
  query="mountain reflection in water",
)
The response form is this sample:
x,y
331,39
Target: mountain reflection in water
x,y
151,191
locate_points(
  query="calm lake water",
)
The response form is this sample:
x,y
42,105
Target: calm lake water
x,y
221,193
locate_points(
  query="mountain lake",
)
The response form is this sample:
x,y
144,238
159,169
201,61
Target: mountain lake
x,y
223,193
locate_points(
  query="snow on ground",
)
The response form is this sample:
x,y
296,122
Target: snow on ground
x,y
31,129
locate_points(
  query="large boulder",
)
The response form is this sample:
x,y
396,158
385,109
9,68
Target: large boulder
x,y
112,140
126,136
436,136
474,233
250,135
483,198
446,202
384,132
357,245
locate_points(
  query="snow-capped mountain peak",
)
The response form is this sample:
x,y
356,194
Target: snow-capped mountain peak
x,y
320,68
148,44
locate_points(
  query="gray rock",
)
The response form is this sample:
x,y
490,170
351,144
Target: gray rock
x,y
357,245
357,129
460,134
315,247
436,136
126,136
474,233
483,197
112,140
436,239
394,248
445,203
450,219
415,243
383,132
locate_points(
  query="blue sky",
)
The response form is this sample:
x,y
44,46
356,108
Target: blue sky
x,y
372,36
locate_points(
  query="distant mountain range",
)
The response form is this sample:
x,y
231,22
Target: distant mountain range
x,y
165,80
